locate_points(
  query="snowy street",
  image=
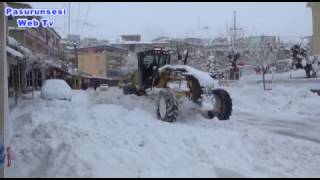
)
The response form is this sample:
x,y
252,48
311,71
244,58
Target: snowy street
x,y
104,133
159,90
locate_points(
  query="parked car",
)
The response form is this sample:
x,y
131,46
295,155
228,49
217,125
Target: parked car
x,y
56,89
103,87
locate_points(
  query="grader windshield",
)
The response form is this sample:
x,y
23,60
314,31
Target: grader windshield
x,y
149,61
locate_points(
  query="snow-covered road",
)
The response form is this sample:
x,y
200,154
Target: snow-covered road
x,y
105,134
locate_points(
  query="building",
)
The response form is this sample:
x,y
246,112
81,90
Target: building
x,y
74,38
161,39
134,37
41,47
253,42
134,47
90,42
44,41
102,61
315,42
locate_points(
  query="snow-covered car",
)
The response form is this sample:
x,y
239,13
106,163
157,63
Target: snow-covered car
x,y
56,89
103,87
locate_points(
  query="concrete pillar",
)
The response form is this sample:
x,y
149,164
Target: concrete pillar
x,y
3,85
43,76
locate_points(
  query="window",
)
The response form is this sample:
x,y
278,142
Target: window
x,y
29,42
29,78
148,60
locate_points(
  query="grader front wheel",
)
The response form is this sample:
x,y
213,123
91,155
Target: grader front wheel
x,y
167,106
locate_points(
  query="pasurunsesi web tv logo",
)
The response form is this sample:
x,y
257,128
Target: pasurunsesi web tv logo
x,y
34,23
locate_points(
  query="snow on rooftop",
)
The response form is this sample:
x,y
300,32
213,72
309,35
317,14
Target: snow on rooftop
x,y
14,52
25,51
12,42
140,42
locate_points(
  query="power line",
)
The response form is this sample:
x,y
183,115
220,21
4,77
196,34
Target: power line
x,y
85,22
78,16
69,18
64,19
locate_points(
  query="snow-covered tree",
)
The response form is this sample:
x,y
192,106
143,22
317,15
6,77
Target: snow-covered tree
x,y
131,64
212,64
302,60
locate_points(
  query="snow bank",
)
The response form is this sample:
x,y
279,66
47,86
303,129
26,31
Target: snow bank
x,y
56,89
282,100
107,134
295,74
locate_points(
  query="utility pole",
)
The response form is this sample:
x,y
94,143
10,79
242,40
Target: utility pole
x,y
234,27
69,18
3,87
234,30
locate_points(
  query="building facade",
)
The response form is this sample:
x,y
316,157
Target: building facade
x,y
102,61
41,47
134,37
44,41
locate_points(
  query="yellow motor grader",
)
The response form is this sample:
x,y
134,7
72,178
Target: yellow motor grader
x,y
171,82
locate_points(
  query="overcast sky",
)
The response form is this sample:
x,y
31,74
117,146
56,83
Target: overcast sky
x,y
110,20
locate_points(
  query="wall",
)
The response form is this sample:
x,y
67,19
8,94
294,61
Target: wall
x,y
315,43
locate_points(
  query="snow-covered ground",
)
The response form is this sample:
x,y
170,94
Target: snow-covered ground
x,y
106,134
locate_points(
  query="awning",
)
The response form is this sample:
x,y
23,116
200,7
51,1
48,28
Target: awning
x,y
14,52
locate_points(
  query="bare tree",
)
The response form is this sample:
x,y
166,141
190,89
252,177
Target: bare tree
x,y
264,57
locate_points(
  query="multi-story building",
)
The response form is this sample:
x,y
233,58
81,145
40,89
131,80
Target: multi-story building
x,y
101,61
44,41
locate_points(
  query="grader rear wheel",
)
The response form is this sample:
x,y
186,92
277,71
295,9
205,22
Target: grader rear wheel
x,y
223,103
128,90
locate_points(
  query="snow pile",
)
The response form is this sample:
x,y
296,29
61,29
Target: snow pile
x,y
56,89
295,74
107,134
204,78
281,101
